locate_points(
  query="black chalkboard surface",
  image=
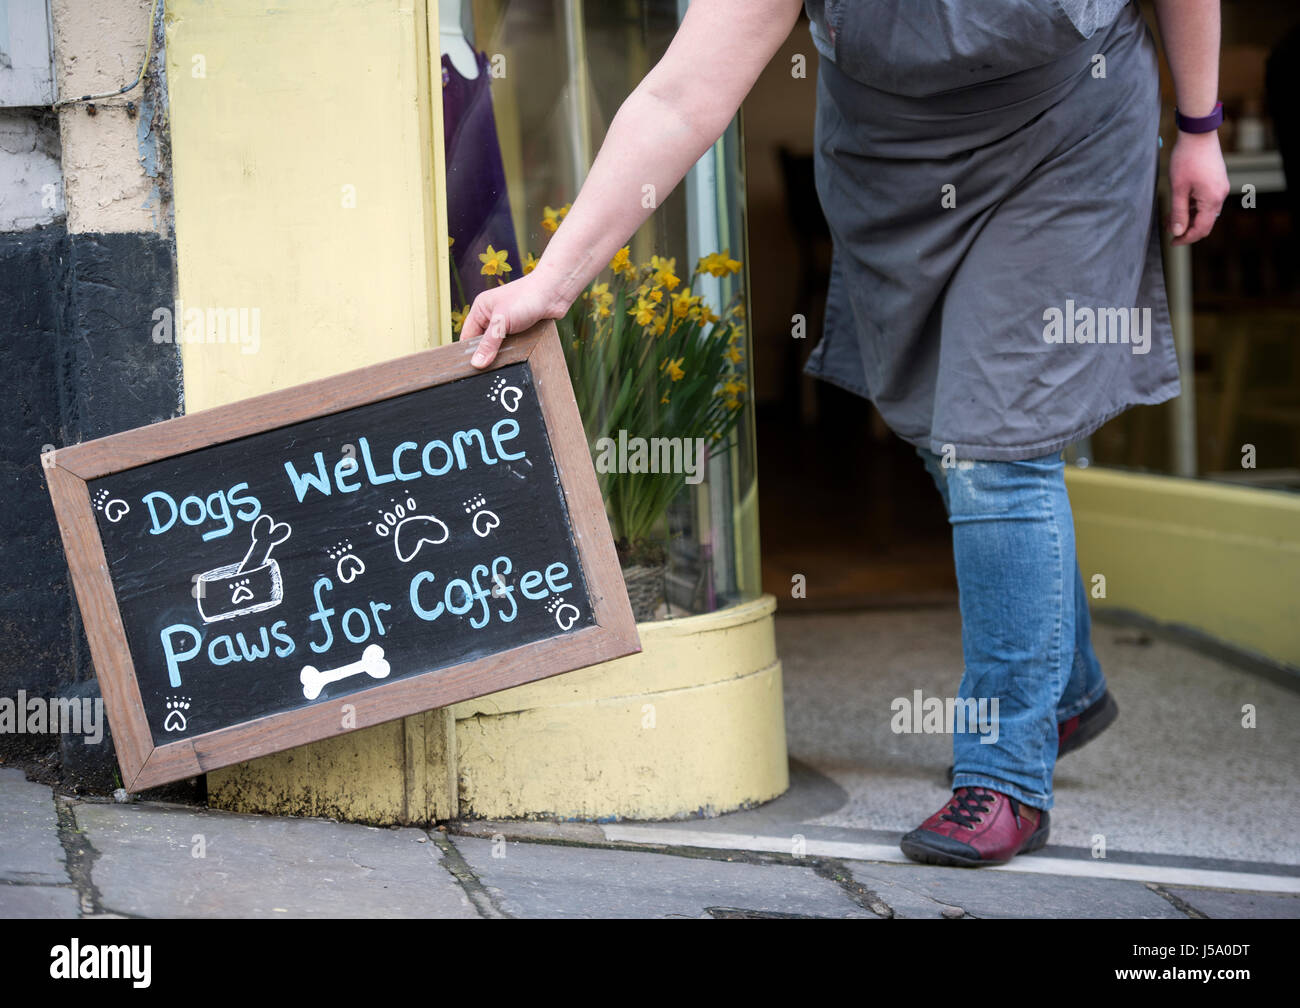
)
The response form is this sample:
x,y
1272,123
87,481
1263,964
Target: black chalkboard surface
x,y
412,539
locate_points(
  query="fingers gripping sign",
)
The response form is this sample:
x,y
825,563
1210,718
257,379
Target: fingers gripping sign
x,y
510,308
493,337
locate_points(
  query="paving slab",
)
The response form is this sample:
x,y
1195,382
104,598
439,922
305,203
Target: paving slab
x,y
923,891
30,851
542,880
1222,904
149,865
39,902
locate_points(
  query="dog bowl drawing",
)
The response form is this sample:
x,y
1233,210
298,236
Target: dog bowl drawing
x,y
249,586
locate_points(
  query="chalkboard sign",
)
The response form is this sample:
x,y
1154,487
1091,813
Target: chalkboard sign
x,y
339,554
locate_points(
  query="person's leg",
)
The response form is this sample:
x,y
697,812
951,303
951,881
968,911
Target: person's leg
x,y
1086,684
1013,543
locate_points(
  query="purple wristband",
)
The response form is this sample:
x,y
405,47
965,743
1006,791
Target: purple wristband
x,y
1205,124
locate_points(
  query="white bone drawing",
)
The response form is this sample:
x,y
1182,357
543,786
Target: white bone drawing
x,y
484,521
372,663
411,531
566,613
176,720
508,396
249,586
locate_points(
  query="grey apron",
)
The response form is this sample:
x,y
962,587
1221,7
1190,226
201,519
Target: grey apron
x,y
996,283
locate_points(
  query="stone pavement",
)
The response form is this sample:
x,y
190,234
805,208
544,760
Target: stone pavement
x,y
68,858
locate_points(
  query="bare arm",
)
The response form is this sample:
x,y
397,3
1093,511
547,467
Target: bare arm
x,y
1197,177
666,124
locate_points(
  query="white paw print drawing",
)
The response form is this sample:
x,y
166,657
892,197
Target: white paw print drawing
x,y
348,566
566,613
506,394
176,720
114,508
484,521
240,592
411,532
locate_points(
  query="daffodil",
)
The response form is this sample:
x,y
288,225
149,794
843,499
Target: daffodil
x,y
601,299
733,388
734,355
551,218
683,302
674,368
530,263
621,264
643,311
665,272
458,319
494,262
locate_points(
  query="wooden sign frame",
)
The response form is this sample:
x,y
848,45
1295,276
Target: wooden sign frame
x,y
145,764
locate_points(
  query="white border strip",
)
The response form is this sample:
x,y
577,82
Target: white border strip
x,y
1027,864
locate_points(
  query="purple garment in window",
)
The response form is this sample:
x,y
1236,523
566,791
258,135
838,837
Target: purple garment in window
x,y
478,206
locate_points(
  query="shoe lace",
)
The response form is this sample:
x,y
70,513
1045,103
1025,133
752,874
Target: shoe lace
x,y
966,807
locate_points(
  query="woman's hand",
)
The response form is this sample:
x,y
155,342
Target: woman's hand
x,y
510,308
1198,185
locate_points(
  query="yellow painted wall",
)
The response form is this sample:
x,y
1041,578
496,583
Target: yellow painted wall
x,y
276,107
285,112
1222,559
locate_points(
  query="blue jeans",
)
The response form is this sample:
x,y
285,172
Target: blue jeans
x,y
1025,629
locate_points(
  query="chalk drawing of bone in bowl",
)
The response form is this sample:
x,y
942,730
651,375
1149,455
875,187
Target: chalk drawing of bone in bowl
x,y
249,586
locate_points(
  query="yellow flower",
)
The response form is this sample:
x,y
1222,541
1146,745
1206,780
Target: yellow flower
x,y
530,263
601,299
660,323
643,311
621,264
458,319
654,295
664,399
551,218
664,272
733,388
494,262
683,302
674,368
718,264
734,355
451,242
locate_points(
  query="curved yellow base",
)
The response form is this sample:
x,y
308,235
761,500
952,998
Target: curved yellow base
x,y
693,725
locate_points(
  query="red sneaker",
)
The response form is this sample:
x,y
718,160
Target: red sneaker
x,y
1080,729
977,827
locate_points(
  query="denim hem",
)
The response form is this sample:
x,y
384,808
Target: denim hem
x,y
1082,705
1030,798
